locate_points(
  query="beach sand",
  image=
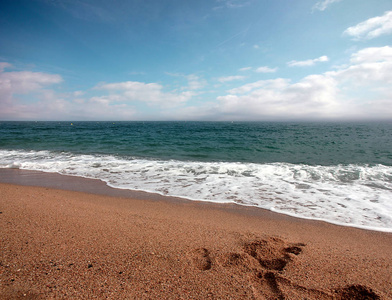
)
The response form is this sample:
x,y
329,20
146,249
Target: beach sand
x,y
59,244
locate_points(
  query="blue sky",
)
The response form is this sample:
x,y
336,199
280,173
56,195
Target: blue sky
x,y
196,60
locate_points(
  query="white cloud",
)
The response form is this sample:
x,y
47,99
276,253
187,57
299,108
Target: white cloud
x,y
245,69
195,82
360,90
112,101
322,5
4,65
275,99
230,78
151,93
372,54
265,69
15,84
26,81
368,67
40,103
371,28
266,84
78,93
307,63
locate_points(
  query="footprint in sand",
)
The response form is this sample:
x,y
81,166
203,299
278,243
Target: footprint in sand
x,y
273,253
356,292
271,285
263,261
201,259
265,286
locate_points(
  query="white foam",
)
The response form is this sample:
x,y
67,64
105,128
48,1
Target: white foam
x,y
351,195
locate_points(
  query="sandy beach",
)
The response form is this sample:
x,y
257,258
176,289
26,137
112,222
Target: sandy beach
x,y
61,244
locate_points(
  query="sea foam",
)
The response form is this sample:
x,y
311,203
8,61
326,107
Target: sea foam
x,y
353,195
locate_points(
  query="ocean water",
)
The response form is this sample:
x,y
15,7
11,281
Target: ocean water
x,y
337,172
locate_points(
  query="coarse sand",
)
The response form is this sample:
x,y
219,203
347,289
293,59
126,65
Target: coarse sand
x,y
59,244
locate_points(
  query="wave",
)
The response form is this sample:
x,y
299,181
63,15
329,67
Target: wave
x,y
354,195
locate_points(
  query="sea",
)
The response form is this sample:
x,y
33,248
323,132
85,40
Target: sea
x,y
336,172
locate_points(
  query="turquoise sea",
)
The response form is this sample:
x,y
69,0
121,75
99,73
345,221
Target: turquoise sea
x,y
337,172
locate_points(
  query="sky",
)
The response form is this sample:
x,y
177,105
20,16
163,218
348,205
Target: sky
x,y
218,60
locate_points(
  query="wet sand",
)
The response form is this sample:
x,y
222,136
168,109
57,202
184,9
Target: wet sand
x,y
83,240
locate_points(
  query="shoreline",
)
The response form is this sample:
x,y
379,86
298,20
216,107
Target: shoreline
x,y
99,187
57,243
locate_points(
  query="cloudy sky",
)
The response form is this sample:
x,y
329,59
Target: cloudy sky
x,y
195,60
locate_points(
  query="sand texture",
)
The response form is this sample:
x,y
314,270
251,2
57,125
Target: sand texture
x,y
57,244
